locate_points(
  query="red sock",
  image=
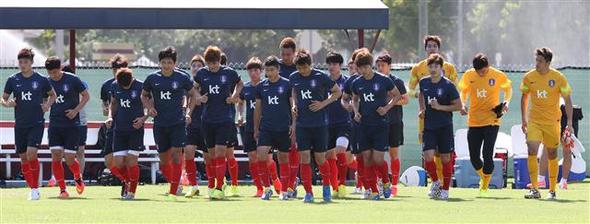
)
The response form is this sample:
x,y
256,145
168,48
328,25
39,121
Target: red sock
x,y
254,173
210,170
371,178
117,173
333,173
325,172
125,173
285,169
360,172
353,165
447,174
75,169
58,173
175,177
431,169
166,171
133,178
306,177
272,170
233,170
191,171
383,172
263,173
342,168
26,170
220,168
294,161
34,164
395,165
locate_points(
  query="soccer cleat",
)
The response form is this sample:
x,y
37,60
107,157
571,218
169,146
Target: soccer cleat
x,y
123,190
259,193
387,190
394,190
63,194
483,193
532,194
266,195
327,193
443,195
308,198
52,182
357,190
79,185
284,196
129,196
434,189
380,186
233,191
341,191
551,195
194,192
277,185
290,193
366,194
563,184
375,196
218,194
294,195
171,197
34,195
179,191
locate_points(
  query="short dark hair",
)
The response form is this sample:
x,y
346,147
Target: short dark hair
x,y
168,52
334,57
198,58
26,53
545,52
254,63
302,57
480,61
434,38
272,61
119,61
384,58
212,54
67,68
435,59
223,59
124,76
52,62
363,58
288,42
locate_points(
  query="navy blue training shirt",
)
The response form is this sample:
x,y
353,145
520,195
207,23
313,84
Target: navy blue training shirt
x,y
396,112
286,70
248,94
372,94
218,86
29,94
337,115
444,92
168,93
314,87
105,90
129,106
276,108
67,91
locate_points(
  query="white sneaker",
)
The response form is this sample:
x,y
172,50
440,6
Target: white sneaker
x,y
434,189
380,187
357,190
367,194
129,196
34,195
444,195
179,190
551,196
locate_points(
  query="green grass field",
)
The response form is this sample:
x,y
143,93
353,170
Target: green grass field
x,y
100,204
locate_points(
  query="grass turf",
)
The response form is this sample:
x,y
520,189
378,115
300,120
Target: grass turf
x,y
101,204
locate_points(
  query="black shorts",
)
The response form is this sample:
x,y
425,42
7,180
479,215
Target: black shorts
x,y
28,137
314,138
194,136
66,138
396,134
128,140
336,132
170,136
83,135
233,138
107,148
248,140
353,140
440,139
373,137
279,140
217,133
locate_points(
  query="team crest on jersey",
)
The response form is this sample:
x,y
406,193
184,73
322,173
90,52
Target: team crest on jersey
x,y
439,91
551,83
223,79
35,85
492,82
312,84
133,94
376,87
280,90
174,85
66,88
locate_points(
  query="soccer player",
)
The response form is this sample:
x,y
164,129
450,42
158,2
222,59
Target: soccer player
x,y
273,126
32,97
162,95
373,95
117,62
194,136
432,45
482,86
126,118
83,129
339,129
287,66
220,87
396,124
64,122
542,123
438,99
312,91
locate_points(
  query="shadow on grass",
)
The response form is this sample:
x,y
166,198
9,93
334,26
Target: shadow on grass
x,y
565,201
495,198
136,199
456,200
71,198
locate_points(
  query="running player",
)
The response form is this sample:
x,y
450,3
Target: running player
x,y
32,97
64,122
542,123
482,86
312,91
162,95
438,99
